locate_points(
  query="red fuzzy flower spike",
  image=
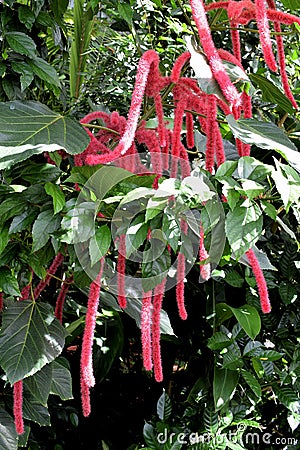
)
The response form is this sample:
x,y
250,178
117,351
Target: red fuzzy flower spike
x,y
260,281
51,271
215,62
150,57
178,66
264,34
18,406
189,130
281,59
87,379
156,350
211,115
121,267
146,329
181,276
59,306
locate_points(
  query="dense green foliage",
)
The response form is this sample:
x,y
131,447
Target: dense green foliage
x,y
228,368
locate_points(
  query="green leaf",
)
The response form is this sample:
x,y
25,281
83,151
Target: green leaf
x,y
263,134
224,384
218,341
287,183
26,73
12,206
8,282
99,244
33,410
268,209
211,420
149,436
8,435
61,383
30,338
252,382
57,195
45,224
251,169
26,16
33,126
246,315
154,268
126,12
39,384
44,71
164,407
271,93
22,221
4,237
288,397
136,234
233,278
171,229
243,227
21,43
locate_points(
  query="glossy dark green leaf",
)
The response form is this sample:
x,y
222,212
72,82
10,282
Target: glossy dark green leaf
x,y
57,195
21,43
44,71
8,435
271,93
8,282
33,126
45,224
33,410
164,407
39,384
246,315
225,382
243,227
99,244
263,134
252,382
61,383
22,221
26,16
30,338
26,72
4,237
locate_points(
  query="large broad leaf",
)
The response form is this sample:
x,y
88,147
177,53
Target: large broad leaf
x,y
21,43
164,407
265,135
243,227
271,93
61,384
39,384
30,338
45,224
224,385
246,315
33,127
8,435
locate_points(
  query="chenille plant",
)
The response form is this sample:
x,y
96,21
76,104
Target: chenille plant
x,y
130,208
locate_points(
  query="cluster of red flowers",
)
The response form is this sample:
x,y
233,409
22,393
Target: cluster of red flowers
x,y
166,149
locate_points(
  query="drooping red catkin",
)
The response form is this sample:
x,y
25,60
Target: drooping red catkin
x,y
1,301
87,379
247,107
264,34
156,350
281,59
178,66
260,281
59,306
150,57
189,130
227,56
220,152
235,39
51,271
203,255
146,329
121,267
18,406
180,286
215,62
211,115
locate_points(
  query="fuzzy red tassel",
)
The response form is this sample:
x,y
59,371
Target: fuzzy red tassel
x,y
260,281
59,306
156,350
18,406
51,271
203,255
121,267
87,379
146,329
